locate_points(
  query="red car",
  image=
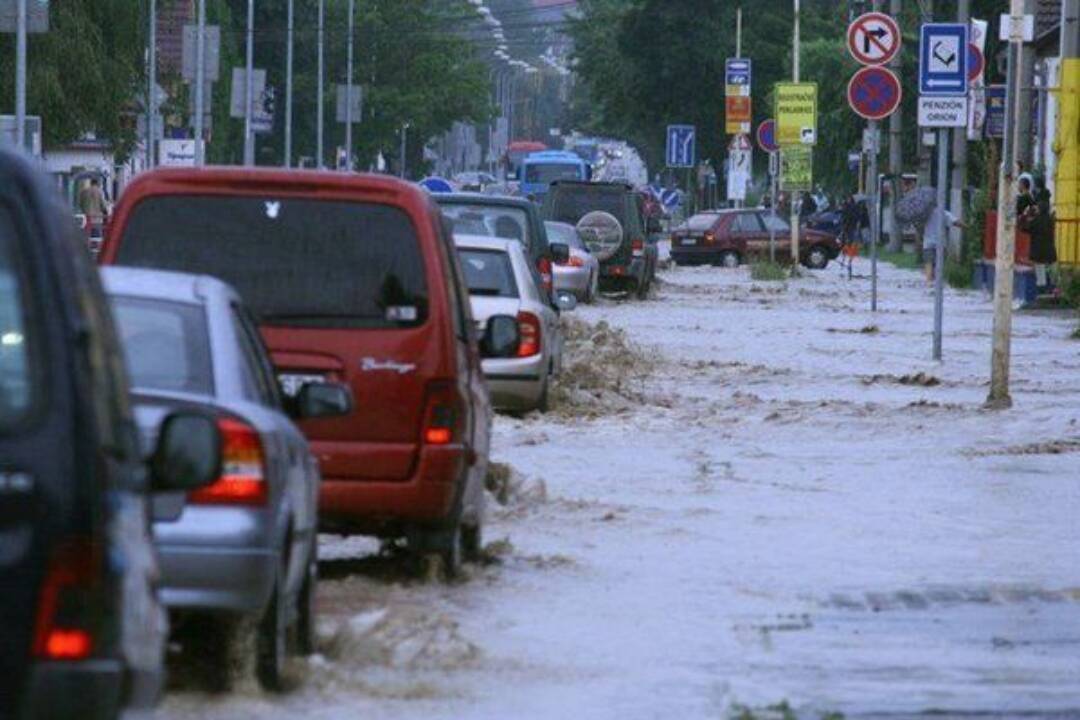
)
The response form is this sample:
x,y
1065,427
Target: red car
x,y
731,237
354,279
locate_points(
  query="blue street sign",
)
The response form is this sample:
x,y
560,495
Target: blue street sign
x,y
995,111
943,59
681,146
737,72
671,198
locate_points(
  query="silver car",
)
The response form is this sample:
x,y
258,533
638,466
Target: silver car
x,y
580,275
242,549
500,283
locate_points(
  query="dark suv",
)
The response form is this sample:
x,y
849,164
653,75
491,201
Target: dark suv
x,y
81,629
629,265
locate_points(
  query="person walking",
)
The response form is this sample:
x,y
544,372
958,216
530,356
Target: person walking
x,y
92,203
1038,221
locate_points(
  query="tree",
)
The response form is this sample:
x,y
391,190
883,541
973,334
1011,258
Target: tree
x,y
84,73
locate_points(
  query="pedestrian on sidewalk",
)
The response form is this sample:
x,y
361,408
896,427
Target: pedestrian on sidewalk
x,y
92,203
932,235
1038,221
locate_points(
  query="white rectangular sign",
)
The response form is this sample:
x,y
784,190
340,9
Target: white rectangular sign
x,y
942,112
176,153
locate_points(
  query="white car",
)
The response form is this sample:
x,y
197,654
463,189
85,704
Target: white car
x,y
501,282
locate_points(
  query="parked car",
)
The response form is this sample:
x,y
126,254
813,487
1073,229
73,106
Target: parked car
x,y
353,278
82,631
500,284
629,264
729,238
244,547
511,218
477,181
580,274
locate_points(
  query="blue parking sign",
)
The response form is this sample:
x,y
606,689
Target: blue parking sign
x,y
737,72
943,59
681,146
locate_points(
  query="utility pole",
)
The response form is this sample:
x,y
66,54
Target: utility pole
x,y
926,156
1070,29
249,88
1006,229
896,145
349,91
151,81
20,75
942,236
1025,156
875,197
321,163
795,78
288,82
959,157
200,81
738,54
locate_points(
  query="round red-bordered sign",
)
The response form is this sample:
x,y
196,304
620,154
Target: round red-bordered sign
x,y
873,38
874,93
766,136
976,62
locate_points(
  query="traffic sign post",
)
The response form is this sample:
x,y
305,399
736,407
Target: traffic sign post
x,y
873,39
681,146
740,163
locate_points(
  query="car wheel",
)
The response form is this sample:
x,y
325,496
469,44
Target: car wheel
x,y
305,620
270,639
450,548
472,541
817,258
729,259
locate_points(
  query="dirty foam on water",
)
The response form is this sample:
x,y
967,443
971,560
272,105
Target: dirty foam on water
x,y
755,493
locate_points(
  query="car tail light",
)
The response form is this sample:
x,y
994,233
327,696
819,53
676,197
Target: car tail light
x,y
529,329
575,261
544,266
709,238
443,414
69,602
243,478
638,247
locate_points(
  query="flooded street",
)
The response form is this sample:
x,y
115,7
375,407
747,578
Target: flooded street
x,y
749,496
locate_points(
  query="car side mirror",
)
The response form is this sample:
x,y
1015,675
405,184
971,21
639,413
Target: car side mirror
x,y
565,301
188,453
501,337
560,253
321,400
653,225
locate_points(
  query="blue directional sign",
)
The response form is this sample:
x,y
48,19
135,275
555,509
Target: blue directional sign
x,y
737,72
681,146
943,59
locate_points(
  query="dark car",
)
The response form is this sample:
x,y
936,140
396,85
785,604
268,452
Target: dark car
x,y
81,629
731,237
244,547
355,279
628,264
509,218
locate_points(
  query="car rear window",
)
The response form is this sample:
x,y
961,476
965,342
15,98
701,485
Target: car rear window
x,y
563,233
166,344
296,262
488,273
16,377
572,204
702,221
501,221
547,173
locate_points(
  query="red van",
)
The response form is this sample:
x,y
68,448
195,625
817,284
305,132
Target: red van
x,y
354,279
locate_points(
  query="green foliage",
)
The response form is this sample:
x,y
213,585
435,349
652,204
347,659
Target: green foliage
x,y
902,260
958,274
768,272
84,73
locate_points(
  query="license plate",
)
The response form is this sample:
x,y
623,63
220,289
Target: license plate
x,y
688,241
291,383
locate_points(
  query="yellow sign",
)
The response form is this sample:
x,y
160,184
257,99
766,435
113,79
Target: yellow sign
x,y
796,113
796,168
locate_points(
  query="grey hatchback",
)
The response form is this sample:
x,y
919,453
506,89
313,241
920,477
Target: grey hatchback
x,y
242,550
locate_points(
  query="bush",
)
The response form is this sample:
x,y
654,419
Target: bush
x,y
958,274
768,272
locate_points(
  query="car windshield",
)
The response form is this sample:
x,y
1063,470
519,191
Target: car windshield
x,y
702,221
488,272
16,378
573,203
563,233
502,221
296,262
547,173
166,344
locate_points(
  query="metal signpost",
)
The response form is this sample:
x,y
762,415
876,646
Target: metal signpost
x,y
766,138
22,17
874,93
943,86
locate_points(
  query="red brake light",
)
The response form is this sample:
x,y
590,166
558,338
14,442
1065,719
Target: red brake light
x,y
710,238
443,414
529,328
638,247
66,606
575,261
544,266
242,480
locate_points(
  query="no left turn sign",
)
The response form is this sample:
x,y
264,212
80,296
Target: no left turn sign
x,y
873,38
